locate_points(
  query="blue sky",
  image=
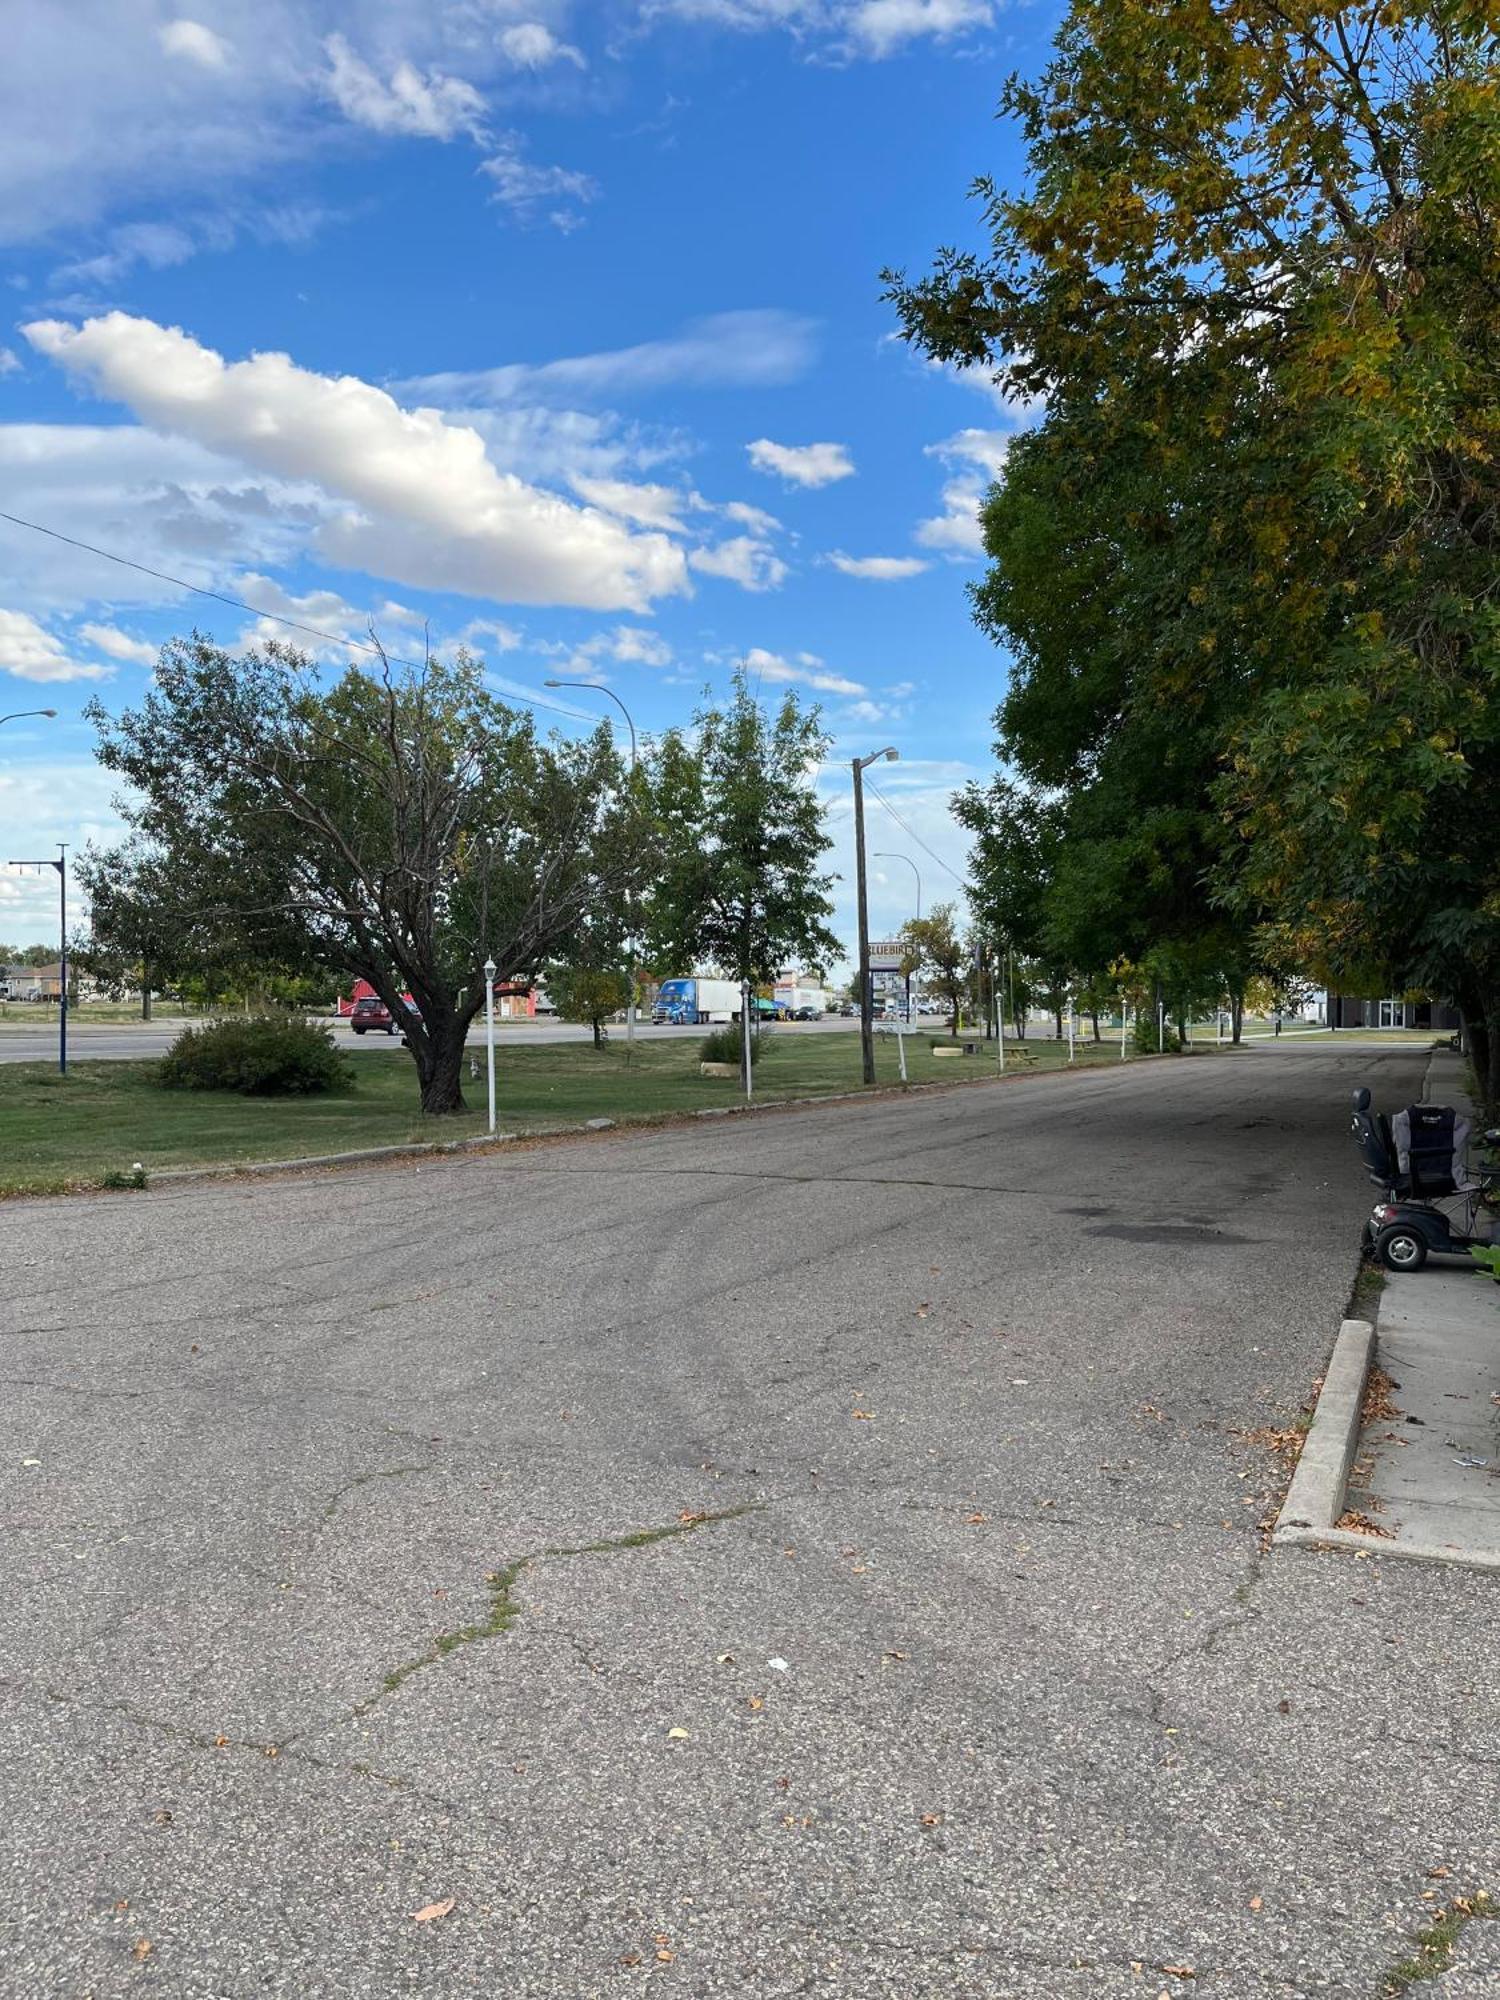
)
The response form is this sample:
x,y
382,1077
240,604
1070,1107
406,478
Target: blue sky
x,y
554,325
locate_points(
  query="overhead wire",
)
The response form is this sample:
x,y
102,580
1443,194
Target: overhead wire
x,y
911,833
276,617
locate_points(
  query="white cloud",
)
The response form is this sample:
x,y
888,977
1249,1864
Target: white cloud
x,y
157,245
97,120
411,104
878,569
751,349
844,28
754,518
32,653
649,505
986,449
10,361
194,43
119,645
164,502
490,635
802,464
422,501
957,531
807,670
880,27
752,564
530,192
624,645
532,45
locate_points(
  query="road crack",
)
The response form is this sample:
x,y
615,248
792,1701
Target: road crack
x,y
503,1610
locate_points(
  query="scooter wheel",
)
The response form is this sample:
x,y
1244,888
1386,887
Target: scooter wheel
x,y
1400,1248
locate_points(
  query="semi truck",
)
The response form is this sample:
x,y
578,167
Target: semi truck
x,y
696,1003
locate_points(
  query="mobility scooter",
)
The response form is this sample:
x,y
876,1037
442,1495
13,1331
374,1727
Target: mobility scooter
x,y
1432,1205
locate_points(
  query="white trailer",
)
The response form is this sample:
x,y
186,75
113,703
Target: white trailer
x,y
790,998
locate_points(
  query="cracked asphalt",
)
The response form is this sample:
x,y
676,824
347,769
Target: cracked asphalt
x,y
814,1554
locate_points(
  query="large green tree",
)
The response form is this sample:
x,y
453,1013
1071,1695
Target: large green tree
x,y
741,835
1253,278
397,826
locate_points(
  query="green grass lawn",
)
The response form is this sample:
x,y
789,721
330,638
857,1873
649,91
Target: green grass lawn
x,y
103,1117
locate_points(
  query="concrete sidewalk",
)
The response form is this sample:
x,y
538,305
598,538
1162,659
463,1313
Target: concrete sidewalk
x,y
1427,1469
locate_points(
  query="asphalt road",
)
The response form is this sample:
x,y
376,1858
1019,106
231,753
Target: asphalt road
x,y
843,1536
130,1041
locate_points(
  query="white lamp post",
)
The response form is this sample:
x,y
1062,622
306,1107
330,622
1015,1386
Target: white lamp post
x,y
489,1034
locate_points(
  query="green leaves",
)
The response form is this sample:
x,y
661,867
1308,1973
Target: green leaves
x,y
1245,566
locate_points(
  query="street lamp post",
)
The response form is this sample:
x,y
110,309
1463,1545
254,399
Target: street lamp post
x,y
594,688
878,856
866,1007
489,1034
19,714
61,865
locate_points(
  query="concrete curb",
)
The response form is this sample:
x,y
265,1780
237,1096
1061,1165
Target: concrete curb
x,y
1315,1498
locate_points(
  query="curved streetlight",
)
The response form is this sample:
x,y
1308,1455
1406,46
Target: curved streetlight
x,y
881,856
18,714
593,687
866,1010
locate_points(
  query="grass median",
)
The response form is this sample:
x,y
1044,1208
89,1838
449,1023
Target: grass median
x,y
104,1117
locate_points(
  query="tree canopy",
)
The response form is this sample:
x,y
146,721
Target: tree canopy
x,y
741,837
1246,560
397,826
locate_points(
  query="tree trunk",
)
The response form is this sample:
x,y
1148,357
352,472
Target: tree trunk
x,y
1057,1011
598,1027
1094,1022
145,992
438,1050
1236,1017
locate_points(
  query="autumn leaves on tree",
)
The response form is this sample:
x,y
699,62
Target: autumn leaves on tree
x,y
1246,560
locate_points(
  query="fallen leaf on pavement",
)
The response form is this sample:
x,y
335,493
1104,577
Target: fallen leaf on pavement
x,y
221,1742
1256,1902
1439,1873
689,1519
681,1735
1179,1971
630,1958
430,1911
141,1949
932,1819
665,1957
756,1704
863,1415
976,1520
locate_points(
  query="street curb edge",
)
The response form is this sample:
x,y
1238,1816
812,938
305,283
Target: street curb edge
x,y
1315,1498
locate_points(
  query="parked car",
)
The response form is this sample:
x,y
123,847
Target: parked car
x,y
370,1015
806,1014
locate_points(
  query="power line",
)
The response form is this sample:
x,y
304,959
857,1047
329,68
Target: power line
x,y
876,793
239,604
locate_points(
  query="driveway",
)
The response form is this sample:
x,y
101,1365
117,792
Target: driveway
x,y
814,1554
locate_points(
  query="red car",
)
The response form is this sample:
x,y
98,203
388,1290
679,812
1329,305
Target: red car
x,y
371,1012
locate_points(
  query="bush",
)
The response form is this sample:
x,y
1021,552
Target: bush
x,y
1143,1034
726,1045
264,1055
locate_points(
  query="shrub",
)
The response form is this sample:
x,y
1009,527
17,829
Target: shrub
x,y
725,1045
1143,1034
264,1055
